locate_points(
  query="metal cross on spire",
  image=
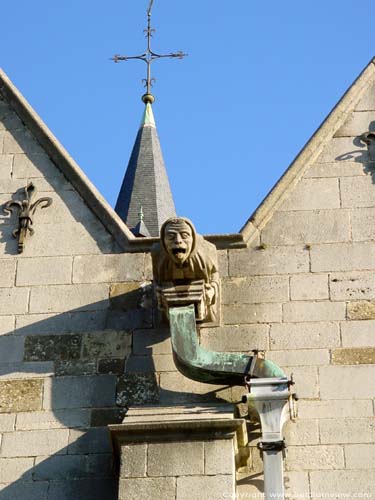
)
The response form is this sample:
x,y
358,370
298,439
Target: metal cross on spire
x,y
148,57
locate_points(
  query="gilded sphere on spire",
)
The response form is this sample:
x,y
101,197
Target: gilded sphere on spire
x,y
148,98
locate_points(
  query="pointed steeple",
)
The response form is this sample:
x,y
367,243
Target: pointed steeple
x,y
146,181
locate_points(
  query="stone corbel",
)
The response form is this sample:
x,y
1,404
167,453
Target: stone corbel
x,y
26,209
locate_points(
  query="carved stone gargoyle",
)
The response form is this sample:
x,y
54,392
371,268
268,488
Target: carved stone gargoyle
x,y
26,210
186,270
186,283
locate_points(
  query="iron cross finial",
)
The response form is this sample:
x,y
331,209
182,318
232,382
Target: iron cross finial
x,y
148,57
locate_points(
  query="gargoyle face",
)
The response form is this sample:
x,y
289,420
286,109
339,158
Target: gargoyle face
x,y
178,241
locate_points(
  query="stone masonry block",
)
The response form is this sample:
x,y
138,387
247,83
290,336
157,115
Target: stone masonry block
x,y
335,169
74,367
342,484
343,257
255,290
345,382
359,193
175,388
314,458
367,101
52,347
133,460
11,349
108,268
83,489
6,163
94,440
7,422
347,430
12,469
304,335
352,285
358,333
362,224
155,341
296,484
34,443
357,123
252,313
33,166
314,311
271,260
136,389
318,226
301,432
20,395
235,338
60,467
25,489
223,263
60,298
219,457
20,141
158,488
10,186
53,419
306,378
354,356
302,357
175,459
313,194
361,310
205,487
106,344
342,149
6,324
79,392
44,271
13,300
8,272
309,286
333,408
360,456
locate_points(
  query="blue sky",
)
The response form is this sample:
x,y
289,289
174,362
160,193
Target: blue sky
x,y
259,79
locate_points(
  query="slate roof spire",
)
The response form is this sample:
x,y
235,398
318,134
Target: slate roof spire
x,y
146,181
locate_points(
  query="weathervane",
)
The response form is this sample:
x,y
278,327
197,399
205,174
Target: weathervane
x,y
148,57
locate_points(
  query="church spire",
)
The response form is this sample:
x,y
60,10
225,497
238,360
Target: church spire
x,y
146,181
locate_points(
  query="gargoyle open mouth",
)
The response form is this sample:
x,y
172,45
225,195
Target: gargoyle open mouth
x,y
179,251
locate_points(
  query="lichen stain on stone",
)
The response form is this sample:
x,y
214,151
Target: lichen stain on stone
x,y
20,395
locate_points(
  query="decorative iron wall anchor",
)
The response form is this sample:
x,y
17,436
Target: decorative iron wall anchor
x,y
26,210
369,139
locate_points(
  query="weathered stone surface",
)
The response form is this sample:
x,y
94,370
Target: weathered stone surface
x,y
359,193
8,271
106,344
114,366
334,408
357,123
6,162
20,395
137,388
357,484
69,322
252,313
255,290
108,268
175,388
10,186
53,419
362,224
94,440
25,489
13,300
155,341
133,460
318,226
60,467
342,256
343,149
101,417
28,370
74,367
158,488
306,377
302,357
44,271
358,333
147,364
36,165
304,336
314,311
34,443
130,296
175,459
20,141
336,169
360,310
354,356
360,456
313,194
271,260
296,484
309,286
60,298
7,422
83,489
223,263
347,430
12,469
52,347
11,349
314,458
347,382
301,432
219,457
233,338
352,285
79,392
205,487
6,324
